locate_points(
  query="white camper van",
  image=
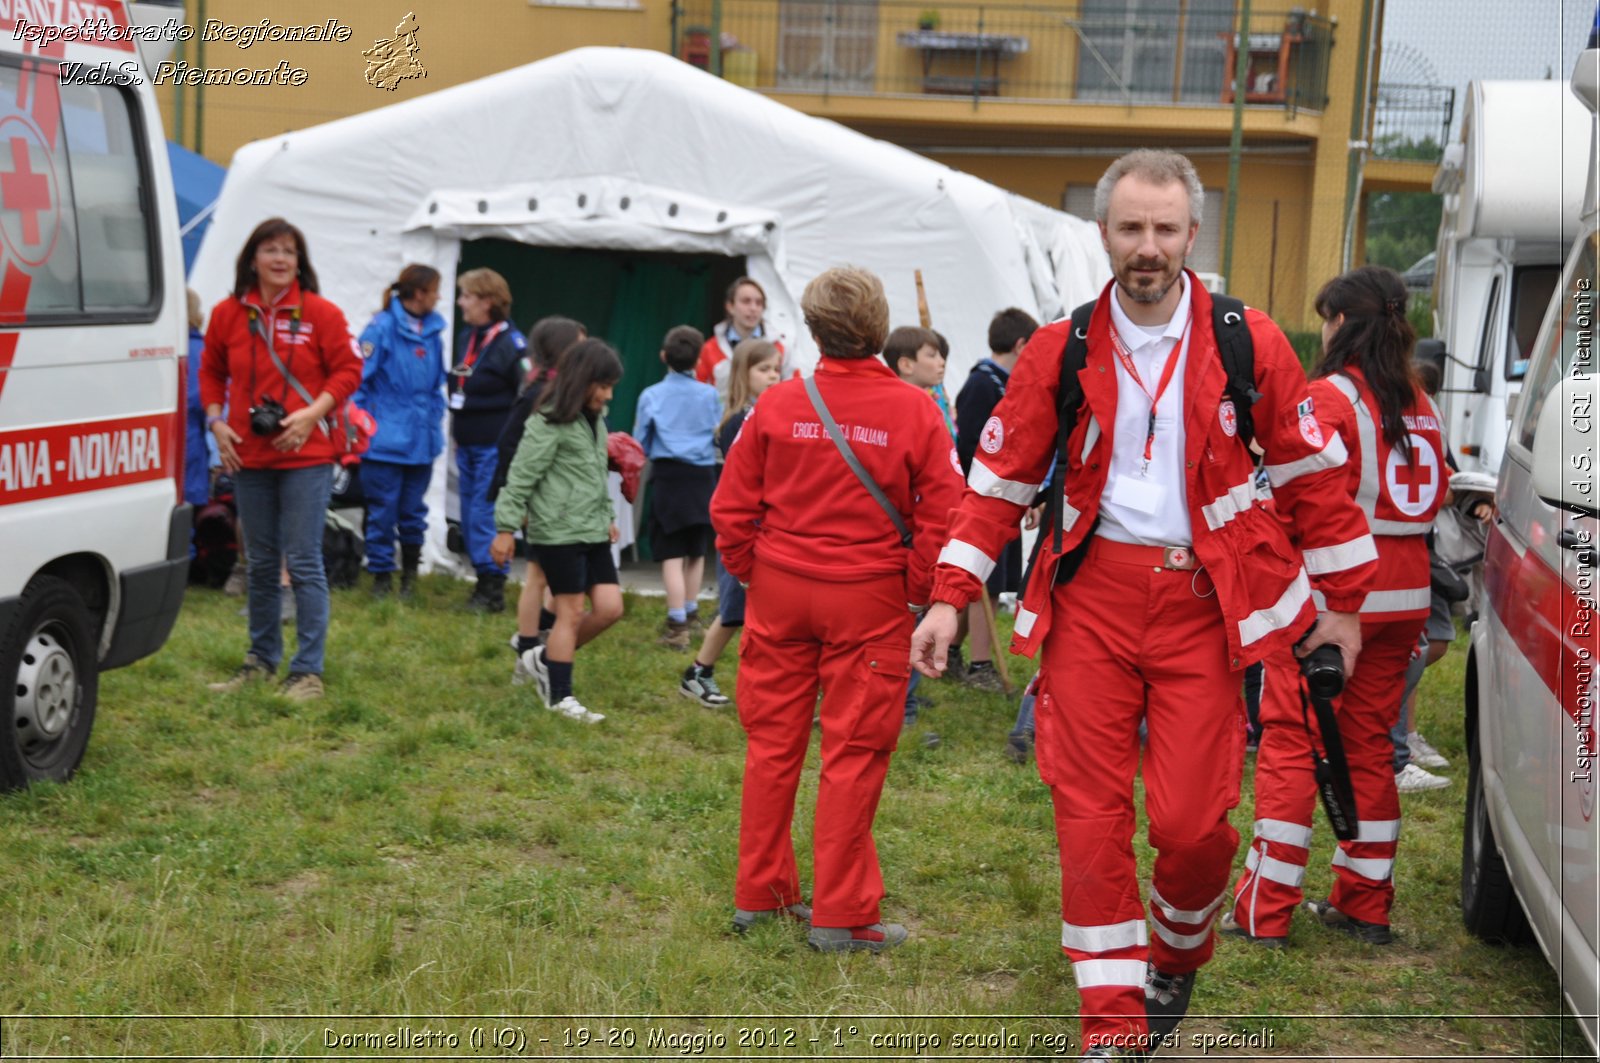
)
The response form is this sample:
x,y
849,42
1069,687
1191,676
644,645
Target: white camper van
x,y
1529,848
93,534
1512,190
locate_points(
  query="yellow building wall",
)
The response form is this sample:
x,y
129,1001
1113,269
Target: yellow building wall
x,y
458,42
1291,219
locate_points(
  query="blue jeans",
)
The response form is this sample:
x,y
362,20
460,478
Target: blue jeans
x,y
475,465
1024,724
282,512
1402,726
394,496
911,698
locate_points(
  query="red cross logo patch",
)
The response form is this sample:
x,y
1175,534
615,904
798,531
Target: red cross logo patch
x,y
29,212
1230,418
1413,485
1311,431
993,436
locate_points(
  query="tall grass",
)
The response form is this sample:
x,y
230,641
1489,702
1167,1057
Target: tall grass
x,y
427,843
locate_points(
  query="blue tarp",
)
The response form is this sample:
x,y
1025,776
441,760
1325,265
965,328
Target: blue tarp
x,y
197,181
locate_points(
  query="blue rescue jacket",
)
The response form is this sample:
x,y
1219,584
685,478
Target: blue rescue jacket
x,y
402,385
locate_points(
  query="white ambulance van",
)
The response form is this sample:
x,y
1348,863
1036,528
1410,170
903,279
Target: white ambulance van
x,y
93,533
1528,863
1512,192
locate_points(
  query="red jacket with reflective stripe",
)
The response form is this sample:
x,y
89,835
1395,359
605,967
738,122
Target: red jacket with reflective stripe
x,y
787,497
1399,498
1263,583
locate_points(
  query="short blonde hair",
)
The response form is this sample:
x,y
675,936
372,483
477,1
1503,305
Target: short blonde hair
x,y
488,284
847,312
197,317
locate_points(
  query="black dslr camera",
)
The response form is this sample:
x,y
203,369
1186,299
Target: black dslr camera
x,y
266,416
1323,668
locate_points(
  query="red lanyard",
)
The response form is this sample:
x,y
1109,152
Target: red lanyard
x,y
473,344
1126,357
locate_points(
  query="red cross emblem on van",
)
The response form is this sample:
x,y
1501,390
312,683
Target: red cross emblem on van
x,y
30,213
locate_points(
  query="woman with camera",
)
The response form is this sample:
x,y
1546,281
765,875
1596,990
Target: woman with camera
x,y
1364,391
280,358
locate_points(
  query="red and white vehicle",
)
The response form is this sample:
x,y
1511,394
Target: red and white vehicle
x,y
1529,848
93,533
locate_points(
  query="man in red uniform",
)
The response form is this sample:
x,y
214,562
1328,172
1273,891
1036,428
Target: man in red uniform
x,y
1171,577
832,584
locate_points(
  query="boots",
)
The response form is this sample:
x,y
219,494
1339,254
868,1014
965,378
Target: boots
x,y
410,558
489,596
382,584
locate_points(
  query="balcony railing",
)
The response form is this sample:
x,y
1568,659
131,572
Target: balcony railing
x,y
1147,52
1412,121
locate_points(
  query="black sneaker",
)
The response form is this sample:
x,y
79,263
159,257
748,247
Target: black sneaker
x,y
700,686
1166,1000
1019,748
1226,925
981,675
1326,914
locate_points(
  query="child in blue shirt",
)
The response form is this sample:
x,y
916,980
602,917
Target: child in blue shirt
x,y
676,424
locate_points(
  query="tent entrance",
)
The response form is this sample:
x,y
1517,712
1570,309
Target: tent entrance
x,y
627,298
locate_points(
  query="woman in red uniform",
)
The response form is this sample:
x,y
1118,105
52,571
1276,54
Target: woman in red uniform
x,y
1365,392
831,594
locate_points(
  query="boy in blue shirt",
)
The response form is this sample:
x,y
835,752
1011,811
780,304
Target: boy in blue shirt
x,y
676,424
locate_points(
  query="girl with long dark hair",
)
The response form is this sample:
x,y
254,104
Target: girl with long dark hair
x,y
1365,392
557,488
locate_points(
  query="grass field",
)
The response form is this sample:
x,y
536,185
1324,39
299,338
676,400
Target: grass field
x,y
430,852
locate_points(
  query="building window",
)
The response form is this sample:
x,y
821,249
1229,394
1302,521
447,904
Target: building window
x,y
827,45
1153,51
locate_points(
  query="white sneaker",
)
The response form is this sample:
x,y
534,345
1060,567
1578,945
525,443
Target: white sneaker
x,y
573,710
532,663
1414,780
1424,755
520,672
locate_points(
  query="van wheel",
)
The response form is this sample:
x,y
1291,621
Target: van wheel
x,y
50,673
1489,904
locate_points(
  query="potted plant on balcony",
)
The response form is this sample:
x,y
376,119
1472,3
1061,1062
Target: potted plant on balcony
x,y
928,20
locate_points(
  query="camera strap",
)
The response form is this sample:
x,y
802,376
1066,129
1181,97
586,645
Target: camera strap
x,y
288,378
1331,768
854,462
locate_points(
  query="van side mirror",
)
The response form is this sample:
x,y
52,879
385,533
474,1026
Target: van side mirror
x,y
1565,445
1480,381
1431,352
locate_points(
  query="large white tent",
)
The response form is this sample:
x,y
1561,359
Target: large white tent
x,y
634,151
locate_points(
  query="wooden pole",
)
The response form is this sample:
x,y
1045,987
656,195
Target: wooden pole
x,y
989,622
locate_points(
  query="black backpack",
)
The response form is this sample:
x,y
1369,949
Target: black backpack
x,y
342,551
1235,345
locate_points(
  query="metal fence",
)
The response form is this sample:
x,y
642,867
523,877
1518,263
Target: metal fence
x,y
1412,121
1147,52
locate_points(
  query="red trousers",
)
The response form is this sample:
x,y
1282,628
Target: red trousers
x,y
1131,642
853,640
1286,790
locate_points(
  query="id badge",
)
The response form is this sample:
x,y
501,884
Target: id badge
x,y
458,400
1142,496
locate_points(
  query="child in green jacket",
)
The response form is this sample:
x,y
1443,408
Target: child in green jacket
x,y
557,487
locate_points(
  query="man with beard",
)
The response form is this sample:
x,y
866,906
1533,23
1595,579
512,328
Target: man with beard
x,y
1168,576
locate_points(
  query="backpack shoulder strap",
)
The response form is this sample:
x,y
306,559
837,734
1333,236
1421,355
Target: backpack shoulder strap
x,y
1069,396
1237,348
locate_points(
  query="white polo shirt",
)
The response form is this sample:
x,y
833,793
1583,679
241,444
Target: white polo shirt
x,y
1148,506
